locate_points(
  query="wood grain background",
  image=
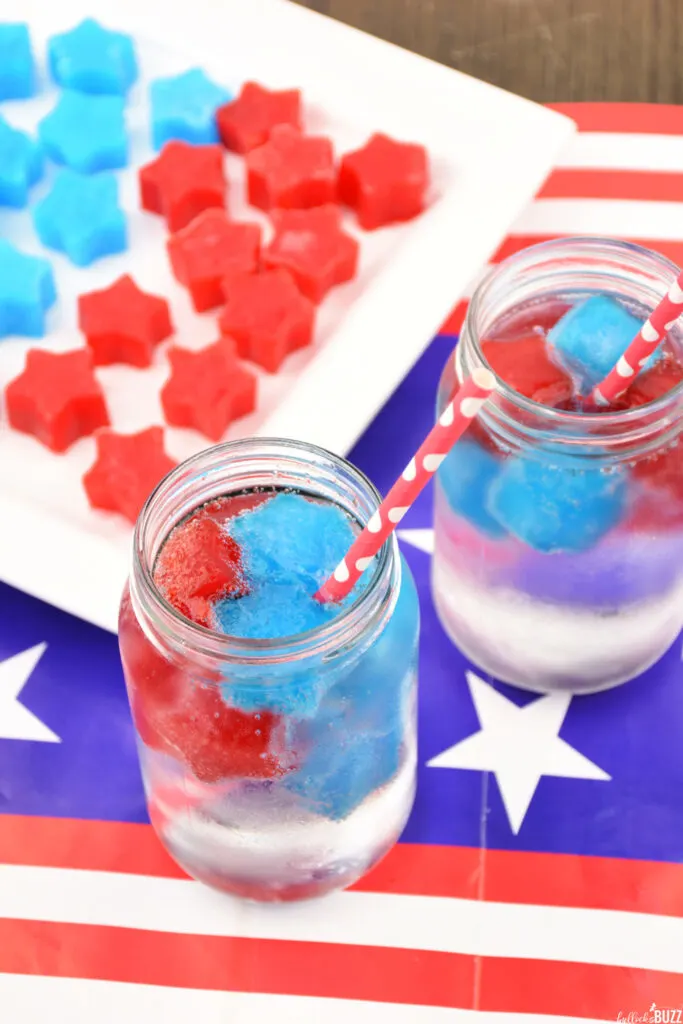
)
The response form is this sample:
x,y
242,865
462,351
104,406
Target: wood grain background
x,y
544,49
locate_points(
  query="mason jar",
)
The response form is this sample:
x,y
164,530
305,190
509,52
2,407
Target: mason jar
x,y
584,590
274,769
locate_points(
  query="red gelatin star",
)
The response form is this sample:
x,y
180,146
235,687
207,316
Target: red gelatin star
x,y
56,398
267,316
127,469
207,389
182,182
198,564
384,182
247,122
524,365
210,249
155,679
311,245
292,171
123,324
192,723
214,740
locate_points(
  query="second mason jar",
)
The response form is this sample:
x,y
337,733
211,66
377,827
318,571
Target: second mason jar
x,y
274,769
597,596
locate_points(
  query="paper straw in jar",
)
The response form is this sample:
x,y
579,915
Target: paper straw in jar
x,y
452,423
650,335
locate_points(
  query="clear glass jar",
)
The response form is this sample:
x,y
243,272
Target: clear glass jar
x,y
274,769
598,596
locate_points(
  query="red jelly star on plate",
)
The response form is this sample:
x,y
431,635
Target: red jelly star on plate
x,y
292,171
207,389
247,122
57,398
182,182
123,324
311,245
209,250
384,182
127,469
267,316
524,365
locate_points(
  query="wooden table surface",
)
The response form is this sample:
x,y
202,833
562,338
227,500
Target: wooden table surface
x,y
544,49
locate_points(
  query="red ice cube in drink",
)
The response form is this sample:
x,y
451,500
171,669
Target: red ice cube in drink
x,y
524,365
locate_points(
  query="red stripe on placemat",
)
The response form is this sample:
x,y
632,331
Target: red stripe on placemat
x,y
579,183
514,243
236,964
368,973
573,990
87,845
457,318
599,883
505,876
633,118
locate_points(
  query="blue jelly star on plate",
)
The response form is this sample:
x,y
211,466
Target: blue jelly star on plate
x,y
21,165
184,107
27,290
87,133
81,217
17,67
93,59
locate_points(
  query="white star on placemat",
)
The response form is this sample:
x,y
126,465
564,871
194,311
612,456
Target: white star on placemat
x,y
16,721
519,745
421,539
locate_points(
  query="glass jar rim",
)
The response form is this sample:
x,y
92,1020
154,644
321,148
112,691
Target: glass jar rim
x,y
621,421
211,645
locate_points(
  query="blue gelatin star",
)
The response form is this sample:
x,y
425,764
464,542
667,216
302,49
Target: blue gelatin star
x,y
87,133
293,540
289,546
17,67
562,506
93,59
184,107
21,165
466,475
27,291
591,337
81,217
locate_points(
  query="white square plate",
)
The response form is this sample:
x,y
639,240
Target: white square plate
x,y
489,150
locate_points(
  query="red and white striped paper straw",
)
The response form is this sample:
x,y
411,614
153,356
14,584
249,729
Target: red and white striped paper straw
x,y
653,331
453,422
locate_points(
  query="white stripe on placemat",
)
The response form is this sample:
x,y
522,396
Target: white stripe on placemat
x,y
607,151
612,938
619,218
25,999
